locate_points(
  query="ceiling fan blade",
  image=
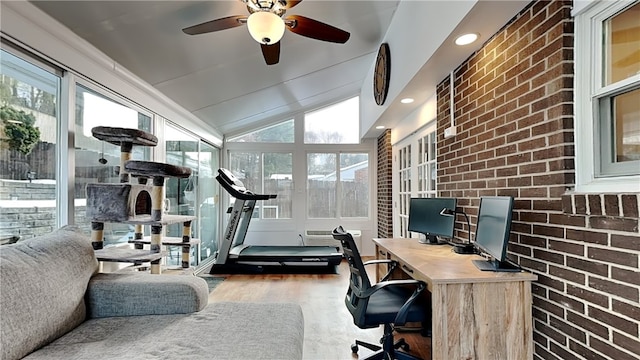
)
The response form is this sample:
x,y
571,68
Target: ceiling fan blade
x,y
271,53
215,25
288,4
315,29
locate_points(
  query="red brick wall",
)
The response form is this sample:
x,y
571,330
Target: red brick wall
x,y
514,113
384,195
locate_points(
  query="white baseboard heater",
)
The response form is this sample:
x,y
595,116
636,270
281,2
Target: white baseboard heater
x,y
324,238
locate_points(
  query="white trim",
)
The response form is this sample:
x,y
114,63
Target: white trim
x,y
66,154
587,52
580,6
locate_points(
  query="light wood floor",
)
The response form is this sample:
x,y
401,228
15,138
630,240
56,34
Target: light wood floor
x,y
329,329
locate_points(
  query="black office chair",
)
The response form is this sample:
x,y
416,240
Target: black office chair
x,y
387,302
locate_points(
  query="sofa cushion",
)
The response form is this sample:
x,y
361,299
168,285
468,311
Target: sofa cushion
x,y
145,294
220,331
43,283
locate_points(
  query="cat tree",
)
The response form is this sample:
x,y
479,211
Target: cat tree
x,y
140,204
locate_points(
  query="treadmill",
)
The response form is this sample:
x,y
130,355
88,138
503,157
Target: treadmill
x,y
233,256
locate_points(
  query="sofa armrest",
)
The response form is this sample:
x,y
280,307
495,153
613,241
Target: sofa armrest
x,y
145,294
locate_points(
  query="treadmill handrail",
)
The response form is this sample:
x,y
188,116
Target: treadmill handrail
x,y
229,177
242,193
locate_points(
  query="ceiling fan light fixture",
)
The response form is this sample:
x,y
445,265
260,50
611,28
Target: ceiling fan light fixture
x,y
265,27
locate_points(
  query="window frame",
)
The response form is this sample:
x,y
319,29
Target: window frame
x,y
300,222
589,94
408,179
259,205
237,138
339,191
62,210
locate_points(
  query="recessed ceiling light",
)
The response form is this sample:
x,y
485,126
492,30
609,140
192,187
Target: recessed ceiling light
x,y
467,39
406,100
380,127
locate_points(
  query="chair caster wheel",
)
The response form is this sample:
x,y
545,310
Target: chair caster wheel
x,y
406,347
354,348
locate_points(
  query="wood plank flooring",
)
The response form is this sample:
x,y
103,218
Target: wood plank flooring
x,y
329,329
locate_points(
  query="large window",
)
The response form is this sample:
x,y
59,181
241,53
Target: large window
x,y
607,93
98,161
207,229
266,173
48,107
333,124
196,195
316,165
278,133
29,111
337,185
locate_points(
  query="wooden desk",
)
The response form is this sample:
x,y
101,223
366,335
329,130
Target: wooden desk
x,y
476,314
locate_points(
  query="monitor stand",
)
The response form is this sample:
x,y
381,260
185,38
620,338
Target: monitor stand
x,y
494,265
431,240
466,249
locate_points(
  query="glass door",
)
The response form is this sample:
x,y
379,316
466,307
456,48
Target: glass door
x,y
414,162
181,193
207,228
197,195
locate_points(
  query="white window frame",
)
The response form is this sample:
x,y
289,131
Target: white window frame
x,y
410,176
587,93
271,228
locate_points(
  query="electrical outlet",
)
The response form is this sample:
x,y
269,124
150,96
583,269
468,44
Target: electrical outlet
x,y
450,132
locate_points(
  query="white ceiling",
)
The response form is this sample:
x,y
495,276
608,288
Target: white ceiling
x,y
221,77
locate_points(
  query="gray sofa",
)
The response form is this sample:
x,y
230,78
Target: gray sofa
x,y
55,305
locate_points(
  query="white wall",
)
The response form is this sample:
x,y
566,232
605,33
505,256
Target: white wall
x,y
423,115
417,30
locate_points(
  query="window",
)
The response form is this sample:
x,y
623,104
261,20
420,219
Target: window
x,y
404,183
208,200
98,161
337,185
196,195
335,124
320,177
279,133
266,173
607,92
414,162
29,111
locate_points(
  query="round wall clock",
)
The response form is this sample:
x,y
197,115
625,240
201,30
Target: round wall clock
x,y
382,74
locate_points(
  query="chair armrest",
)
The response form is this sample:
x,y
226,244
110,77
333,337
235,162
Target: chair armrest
x,y
401,317
383,284
379,261
392,266
145,294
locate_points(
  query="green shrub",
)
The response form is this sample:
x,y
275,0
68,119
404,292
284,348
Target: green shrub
x,y
21,135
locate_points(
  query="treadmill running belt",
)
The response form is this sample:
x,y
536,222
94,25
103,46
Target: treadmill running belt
x,y
299,251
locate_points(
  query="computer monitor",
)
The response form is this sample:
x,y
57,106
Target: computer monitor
x,y
492,233
425,218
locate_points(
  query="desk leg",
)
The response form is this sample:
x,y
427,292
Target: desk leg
x,y
482,321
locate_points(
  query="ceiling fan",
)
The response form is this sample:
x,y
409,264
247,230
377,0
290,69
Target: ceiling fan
x,y
266,23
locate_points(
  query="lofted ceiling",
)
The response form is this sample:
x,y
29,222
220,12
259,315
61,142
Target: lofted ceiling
x,y
221,77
